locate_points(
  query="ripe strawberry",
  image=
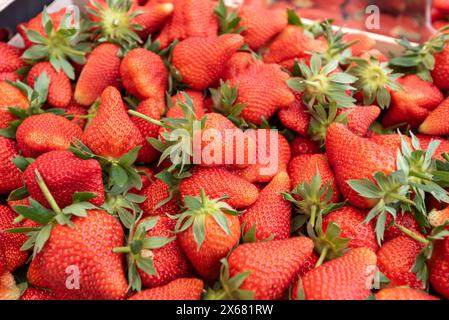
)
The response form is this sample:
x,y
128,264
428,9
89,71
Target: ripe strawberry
x,y
8,288
11,175
179,289
403,293
443,147
64,174
292,44
412,104
295,116
238,63
301,145
111,133
391,141
360,118
101,71
406,220
439,266
46,132
441,5
10,60
74,111
354,157
305,167
191,18
32,293
11,242
309,264
10,96
85,247
270,216
201,61
198,104
144,74
158,199
153,16
345,278
252,91
352,225
147,177
396,258
218,182
207,231
151,108
440,72
261,24
364,44
3,262
267,276
59,90
435,123
270,159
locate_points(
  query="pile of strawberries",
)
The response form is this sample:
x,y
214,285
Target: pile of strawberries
x,y
94,205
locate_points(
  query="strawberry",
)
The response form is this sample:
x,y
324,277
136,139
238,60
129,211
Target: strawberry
x,y
441,5
261,274
403,293
309,264
414,103
391,141
406,220
101,70
111,133
153,16
207,230
11,242
144,74
439,266
395,260
238,63
218,182
10,60
198,104
76,113
252,93
304,167
360,118
270,216
179,289
159,200
443,147
3,262
352,225
354,157
84,248
438,217
435,123
301,145
59,90
295,116
191,18
364,44
46,132
441,71
32,293
346,278
10,96
201,61
11,175
8,288
65,175
261,24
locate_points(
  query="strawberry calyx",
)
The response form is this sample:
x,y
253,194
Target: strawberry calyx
x,y
197,209
323,84
47,218
228,19
58,45
139,249
312,30
322,116
337,49
375,80
250,235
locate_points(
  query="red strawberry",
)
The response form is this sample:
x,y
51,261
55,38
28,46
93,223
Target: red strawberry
x,y
59,90
403,293
301,145
198,104
46,132
111,133
360,118
101,71
436,123
76,111
396,258
207,231
10,60
64,174
354,157
201,61
261,24
83,249
11,175
391,141
270,215
154,15
406,220
147,177
269,276
218,182
295,116
8,288
412,104
443,147
439,266
309,264
440,72
10,96
351,223
345,278
305,167
144,74
32,293
252,91
364,44
238,63
179,289
155,194
3,262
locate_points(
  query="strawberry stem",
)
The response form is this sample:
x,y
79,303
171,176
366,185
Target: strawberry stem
x,y
322,257
121,250
412,234
47,194
312,215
